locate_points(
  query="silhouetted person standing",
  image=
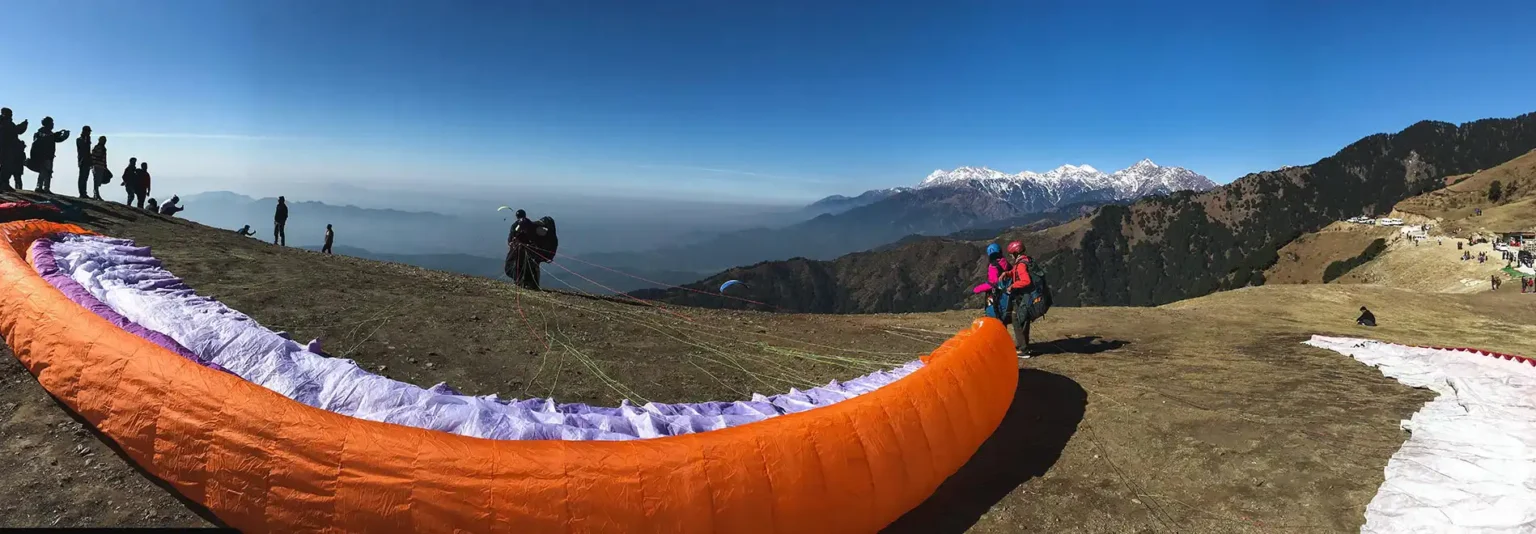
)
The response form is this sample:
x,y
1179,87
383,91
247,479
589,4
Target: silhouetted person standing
x,y
45,145
12,149
330,237
131,180
520,266
83,158
143,189
99,166
280,219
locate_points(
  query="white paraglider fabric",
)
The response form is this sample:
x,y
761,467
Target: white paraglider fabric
x,y
1469,464
145,298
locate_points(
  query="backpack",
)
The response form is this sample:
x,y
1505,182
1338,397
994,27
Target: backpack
x,y
32,157
1039,297
549,241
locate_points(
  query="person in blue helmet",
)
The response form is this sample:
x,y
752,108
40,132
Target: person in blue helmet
x,y
996,287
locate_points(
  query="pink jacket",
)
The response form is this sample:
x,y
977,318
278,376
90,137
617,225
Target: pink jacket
x,y
994,271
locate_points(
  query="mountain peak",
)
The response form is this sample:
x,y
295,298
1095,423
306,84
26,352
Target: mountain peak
x,y
1070,183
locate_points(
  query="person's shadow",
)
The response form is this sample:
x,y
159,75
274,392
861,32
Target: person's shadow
x,y
1077,345
1045,413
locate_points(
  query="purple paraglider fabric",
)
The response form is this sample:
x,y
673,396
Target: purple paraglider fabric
x,y
47,267
128,281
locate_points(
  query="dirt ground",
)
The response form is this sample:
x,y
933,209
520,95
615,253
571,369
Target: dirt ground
x,y
1206,415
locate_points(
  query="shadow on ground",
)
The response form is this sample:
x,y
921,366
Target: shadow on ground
x,y
1045,413
1077,345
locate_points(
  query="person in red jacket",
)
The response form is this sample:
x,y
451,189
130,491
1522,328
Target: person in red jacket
x,y
1018,296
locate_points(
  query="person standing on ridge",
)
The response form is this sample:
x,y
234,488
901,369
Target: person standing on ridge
x,y
99,166
997,280
83,157
1018,298
519,265
45,145
12,151
279,219
131,180
330,236
143,182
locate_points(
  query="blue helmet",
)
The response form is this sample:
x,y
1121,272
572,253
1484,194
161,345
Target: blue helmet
x,y
993,249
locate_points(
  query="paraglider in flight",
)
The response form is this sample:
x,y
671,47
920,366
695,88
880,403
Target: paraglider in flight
x,y
729,284
503,208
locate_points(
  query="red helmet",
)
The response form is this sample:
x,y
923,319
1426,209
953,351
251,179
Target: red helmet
x,y
1015,248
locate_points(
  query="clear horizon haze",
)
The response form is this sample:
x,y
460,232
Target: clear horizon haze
x,y
766,102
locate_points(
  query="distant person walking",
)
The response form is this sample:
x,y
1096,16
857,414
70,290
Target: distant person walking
x,y
280,219
83,158
131,180
330,237
1494,279
99,166
12,149
45,145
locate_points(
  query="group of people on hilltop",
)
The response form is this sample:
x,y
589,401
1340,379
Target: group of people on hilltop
x,y
1017,292
90,158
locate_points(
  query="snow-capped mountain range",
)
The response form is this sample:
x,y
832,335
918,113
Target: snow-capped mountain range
x,y
1068,184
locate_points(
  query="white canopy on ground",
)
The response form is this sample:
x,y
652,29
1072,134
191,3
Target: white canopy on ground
x,y
1469,464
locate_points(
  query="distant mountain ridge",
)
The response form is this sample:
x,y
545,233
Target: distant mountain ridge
x,y
1156,250
836,204
1069,184
944,203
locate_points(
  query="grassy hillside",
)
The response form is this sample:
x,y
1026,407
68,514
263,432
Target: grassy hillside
x,y
1456,205
1205,415
1432,265
1306,259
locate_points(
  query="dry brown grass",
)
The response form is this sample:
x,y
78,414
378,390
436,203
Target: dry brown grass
x,y
1304,260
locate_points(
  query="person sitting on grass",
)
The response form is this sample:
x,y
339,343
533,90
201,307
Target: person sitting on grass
x,y
1366,318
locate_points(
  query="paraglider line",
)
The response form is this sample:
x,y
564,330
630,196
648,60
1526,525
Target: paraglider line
x,y
617,292
669,286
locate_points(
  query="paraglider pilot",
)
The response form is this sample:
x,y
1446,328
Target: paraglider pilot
x,y
520,266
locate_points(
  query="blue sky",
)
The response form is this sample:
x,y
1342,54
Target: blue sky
x,y
772,101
